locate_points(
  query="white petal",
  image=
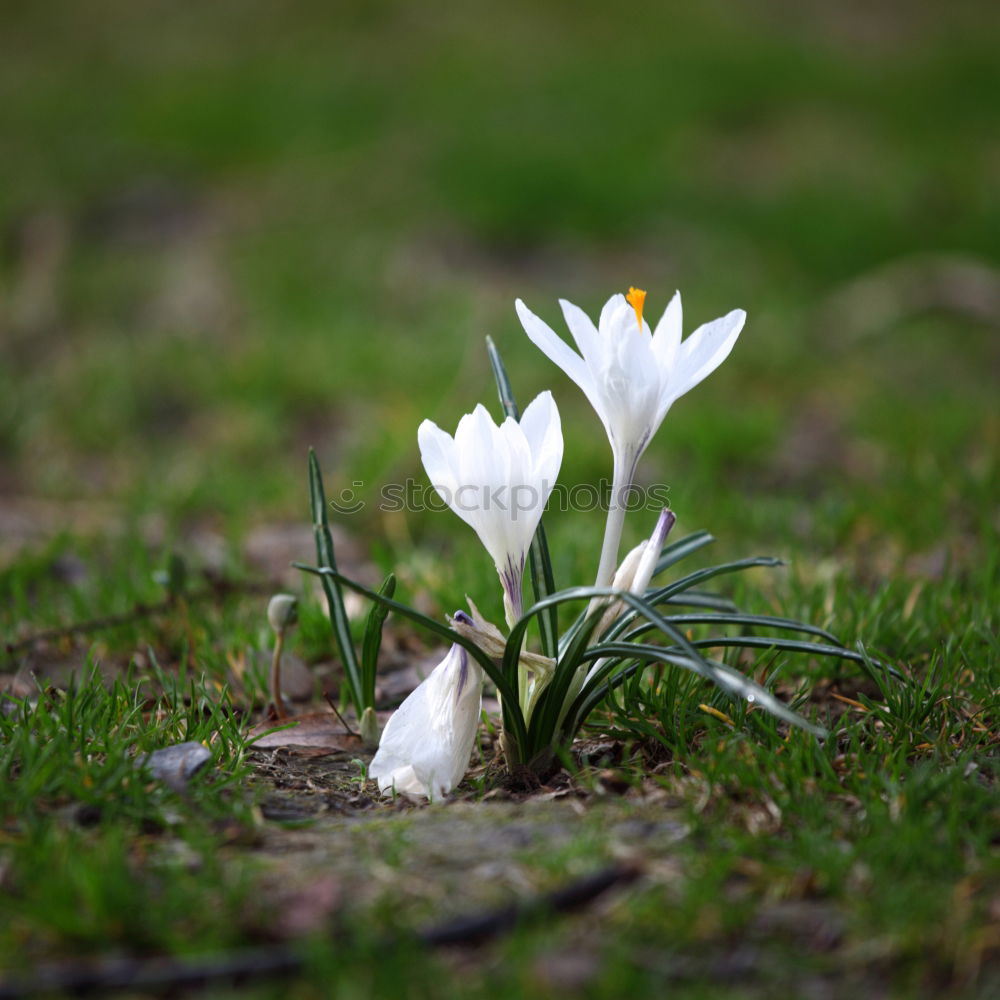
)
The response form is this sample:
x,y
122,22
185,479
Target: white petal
x,y
668,332
582,327
554,347
543,431
425,748
437,452
611,309
701,353
484,475
629,383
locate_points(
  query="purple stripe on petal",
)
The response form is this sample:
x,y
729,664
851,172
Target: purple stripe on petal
x,y
463,674
511,577
461,616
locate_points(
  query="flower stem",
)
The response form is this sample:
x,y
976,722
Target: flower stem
x,y
621,481
279,705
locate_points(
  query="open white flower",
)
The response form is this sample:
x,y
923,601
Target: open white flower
x,y
426,744
631,378
498,480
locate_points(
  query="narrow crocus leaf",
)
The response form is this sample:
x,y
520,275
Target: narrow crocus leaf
x,y
543,724
792,646
701,599
681,549
373,641
725,677
334,599
425,746
540,564
760,621
515,640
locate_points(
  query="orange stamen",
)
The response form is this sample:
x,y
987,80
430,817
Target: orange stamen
x,y
636,298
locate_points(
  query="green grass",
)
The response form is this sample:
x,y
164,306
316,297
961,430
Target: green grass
x,y
229,234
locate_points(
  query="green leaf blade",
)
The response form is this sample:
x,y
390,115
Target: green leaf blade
x,y
326,558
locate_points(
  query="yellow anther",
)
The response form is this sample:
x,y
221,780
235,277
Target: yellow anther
x,y
636,298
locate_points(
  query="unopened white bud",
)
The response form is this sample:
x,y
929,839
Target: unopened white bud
x,y
282,611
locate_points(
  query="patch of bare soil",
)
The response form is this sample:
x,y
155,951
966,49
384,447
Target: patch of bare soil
x,y
447,858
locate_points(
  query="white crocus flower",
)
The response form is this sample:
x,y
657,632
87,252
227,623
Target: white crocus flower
x,y
426,744
631,377
498,480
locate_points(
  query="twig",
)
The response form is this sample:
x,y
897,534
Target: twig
x,y
170,974
482,927
336,712
220,589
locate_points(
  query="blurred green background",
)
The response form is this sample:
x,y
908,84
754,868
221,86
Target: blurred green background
x,y
230,231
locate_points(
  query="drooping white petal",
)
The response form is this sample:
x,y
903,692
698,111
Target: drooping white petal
x,y
426,744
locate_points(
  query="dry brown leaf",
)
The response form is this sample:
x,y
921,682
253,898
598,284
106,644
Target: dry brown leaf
x,y
319,729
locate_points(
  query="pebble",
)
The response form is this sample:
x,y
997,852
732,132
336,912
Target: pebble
x,y
176,765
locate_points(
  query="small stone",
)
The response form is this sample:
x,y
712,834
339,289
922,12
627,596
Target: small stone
x,y
176,765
